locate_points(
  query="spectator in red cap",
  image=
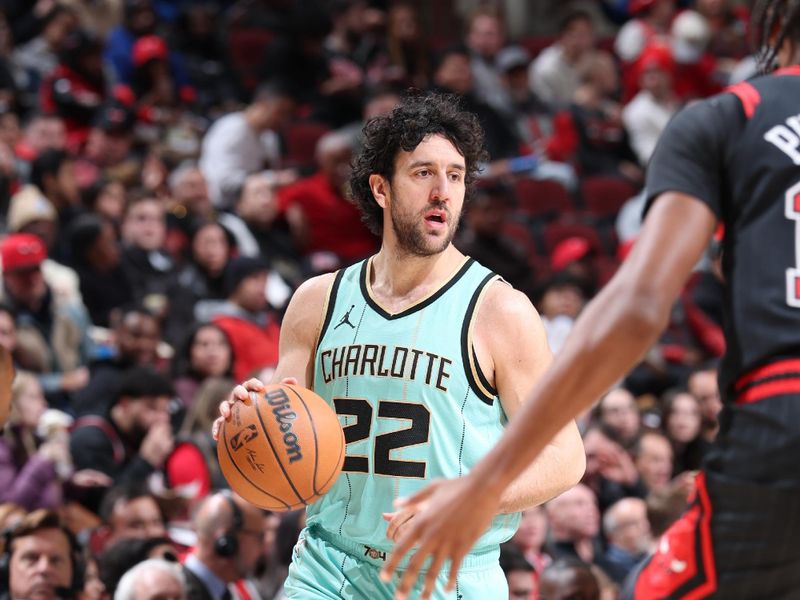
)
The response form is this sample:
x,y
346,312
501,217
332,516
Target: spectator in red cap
x,y
646,116
30,212
649,25
574,256
52,332
139,20
147,48
154,90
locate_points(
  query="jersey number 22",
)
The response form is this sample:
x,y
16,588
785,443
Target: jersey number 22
x,y
417,433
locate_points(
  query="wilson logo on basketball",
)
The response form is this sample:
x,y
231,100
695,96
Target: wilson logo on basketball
x,y
284,415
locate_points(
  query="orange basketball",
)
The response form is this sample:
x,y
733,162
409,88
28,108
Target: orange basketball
x,y
282,449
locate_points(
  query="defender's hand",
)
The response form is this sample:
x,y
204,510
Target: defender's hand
x,y
448,517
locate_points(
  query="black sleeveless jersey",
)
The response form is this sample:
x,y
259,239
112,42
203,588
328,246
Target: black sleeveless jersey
x,y
739,153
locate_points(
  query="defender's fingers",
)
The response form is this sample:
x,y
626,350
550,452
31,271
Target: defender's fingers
x,y
455,565
411,574
432,575
397,554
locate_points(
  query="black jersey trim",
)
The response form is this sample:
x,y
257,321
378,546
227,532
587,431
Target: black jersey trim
x,y
475,376
334,289
416,307
481,376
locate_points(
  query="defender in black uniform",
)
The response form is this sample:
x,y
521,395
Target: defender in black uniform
x,y
733,159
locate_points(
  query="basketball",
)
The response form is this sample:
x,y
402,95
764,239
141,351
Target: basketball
x,y
281,449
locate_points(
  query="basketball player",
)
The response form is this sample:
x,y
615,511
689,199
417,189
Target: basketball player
x,y
732,159
423,353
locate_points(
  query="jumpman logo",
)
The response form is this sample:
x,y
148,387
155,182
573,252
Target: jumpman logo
x,y
346,318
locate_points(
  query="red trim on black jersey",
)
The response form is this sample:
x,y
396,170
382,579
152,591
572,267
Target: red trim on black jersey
x,y
768,389
781,367
793,70
748,96
775,379
683,565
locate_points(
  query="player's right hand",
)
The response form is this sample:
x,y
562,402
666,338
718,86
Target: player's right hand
x,y
239,394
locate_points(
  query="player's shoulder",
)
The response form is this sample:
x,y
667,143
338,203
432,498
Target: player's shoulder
x,y
720,111
503,307
311,295
306,308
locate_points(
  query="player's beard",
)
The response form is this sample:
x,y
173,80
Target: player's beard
x,y
411,238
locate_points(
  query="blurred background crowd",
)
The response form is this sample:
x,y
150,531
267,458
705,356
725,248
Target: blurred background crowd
x,y
171,170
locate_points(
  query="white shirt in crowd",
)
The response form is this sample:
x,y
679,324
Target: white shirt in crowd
x,y
231,151
552,78
645,118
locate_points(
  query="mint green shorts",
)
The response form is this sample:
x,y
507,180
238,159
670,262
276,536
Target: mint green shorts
x,y
327,566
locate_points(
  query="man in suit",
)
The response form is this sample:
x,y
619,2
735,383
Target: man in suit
x,y
229,543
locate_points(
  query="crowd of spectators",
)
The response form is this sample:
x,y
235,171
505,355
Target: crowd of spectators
x,y
171,170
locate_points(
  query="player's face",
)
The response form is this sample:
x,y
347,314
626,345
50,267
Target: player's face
x,y
427,195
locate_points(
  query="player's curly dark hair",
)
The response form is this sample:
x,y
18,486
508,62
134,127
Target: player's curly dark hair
x,y
778,18
417,117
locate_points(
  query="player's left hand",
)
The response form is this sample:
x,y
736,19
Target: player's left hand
x,y
448,517
239,394
397,519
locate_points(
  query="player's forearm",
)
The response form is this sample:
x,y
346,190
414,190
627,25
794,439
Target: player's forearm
x,y
559,467
615,330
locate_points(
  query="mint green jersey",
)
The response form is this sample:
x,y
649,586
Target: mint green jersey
x,y
411,398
